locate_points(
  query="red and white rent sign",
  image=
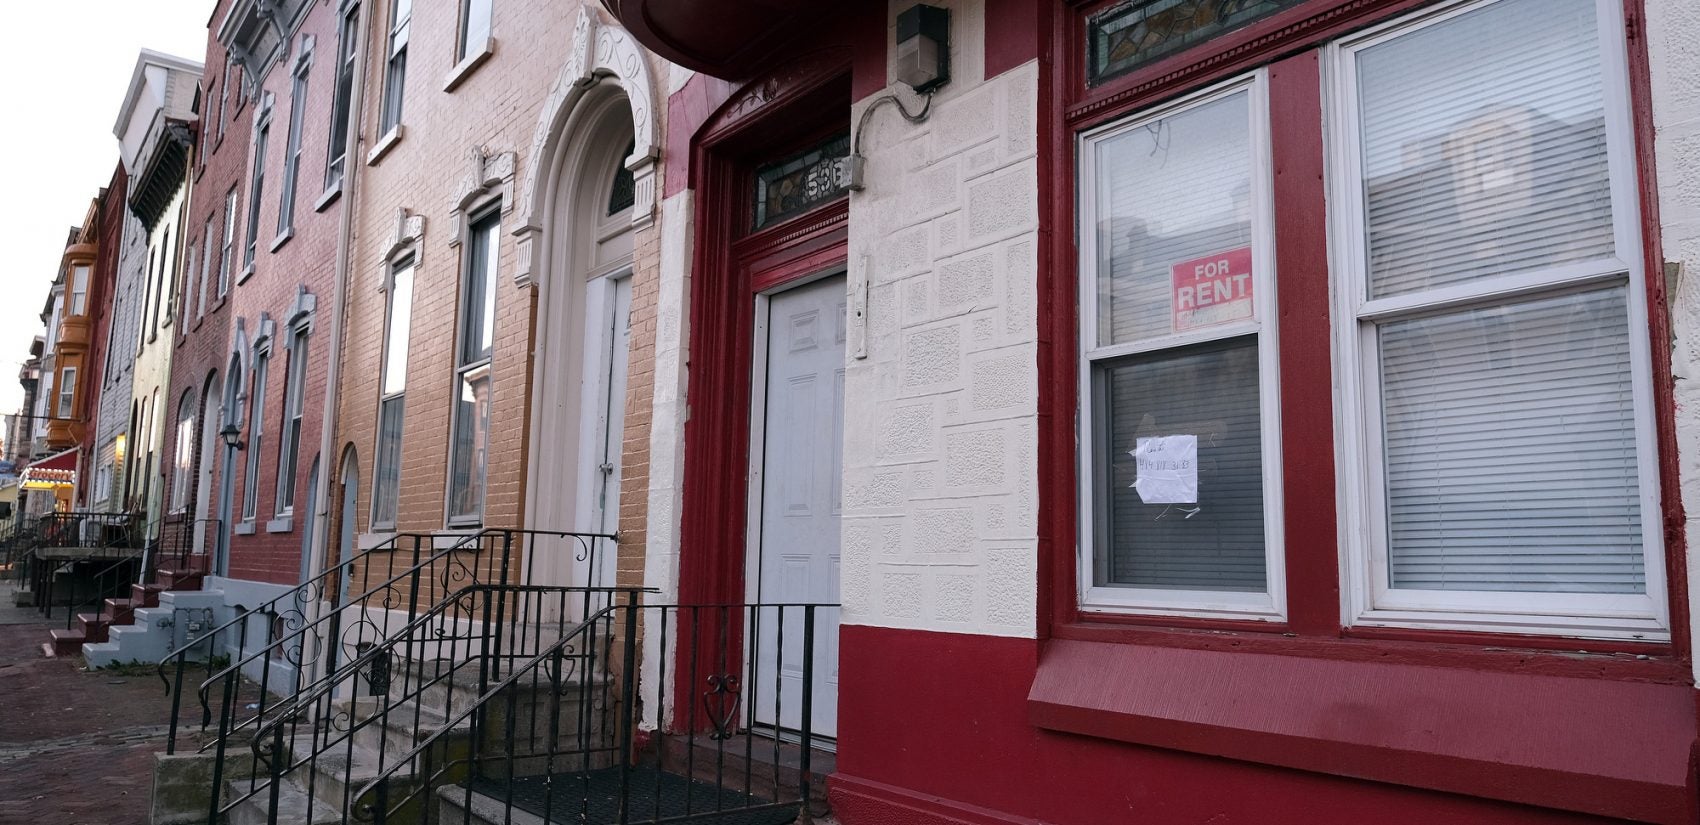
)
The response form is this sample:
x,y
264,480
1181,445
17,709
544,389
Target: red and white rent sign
x,y
1214,289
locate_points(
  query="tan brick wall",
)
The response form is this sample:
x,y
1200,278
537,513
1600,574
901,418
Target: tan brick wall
x,y
497,106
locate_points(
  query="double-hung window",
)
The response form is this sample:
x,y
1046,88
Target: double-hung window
x,y
392,398
223,96
292,149
348,32
261,137
474,27
289,439
182,464
470,449
1180,496
67,393
79,289
227,249
256,436
395,65
206,265
1495,366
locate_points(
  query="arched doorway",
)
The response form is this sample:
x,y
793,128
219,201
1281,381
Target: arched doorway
x,y
579,379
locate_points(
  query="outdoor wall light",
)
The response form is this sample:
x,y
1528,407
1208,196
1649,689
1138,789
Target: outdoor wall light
x,y
232,436
923,47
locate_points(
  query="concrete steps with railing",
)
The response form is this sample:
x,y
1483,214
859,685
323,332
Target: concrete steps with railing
x,y
154,631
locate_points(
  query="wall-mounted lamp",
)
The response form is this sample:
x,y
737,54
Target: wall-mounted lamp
x,y
232,436
923,47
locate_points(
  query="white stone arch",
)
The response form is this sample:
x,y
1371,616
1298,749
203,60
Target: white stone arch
x,y
602,52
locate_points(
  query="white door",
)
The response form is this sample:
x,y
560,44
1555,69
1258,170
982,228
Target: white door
x,y
797,453
610,336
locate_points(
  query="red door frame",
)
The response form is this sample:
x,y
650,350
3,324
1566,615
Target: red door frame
x,y
730,266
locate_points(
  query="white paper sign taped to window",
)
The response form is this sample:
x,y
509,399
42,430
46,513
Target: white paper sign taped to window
x,y
1167,469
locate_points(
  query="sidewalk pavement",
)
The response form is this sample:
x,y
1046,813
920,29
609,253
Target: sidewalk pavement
x,y
75,746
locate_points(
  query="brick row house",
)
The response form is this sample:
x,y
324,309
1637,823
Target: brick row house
x,y
981,411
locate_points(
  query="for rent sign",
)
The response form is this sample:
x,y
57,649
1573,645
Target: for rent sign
x,y
1214,289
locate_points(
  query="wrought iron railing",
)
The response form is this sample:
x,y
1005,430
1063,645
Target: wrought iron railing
x,y
301,638
635,714
81,559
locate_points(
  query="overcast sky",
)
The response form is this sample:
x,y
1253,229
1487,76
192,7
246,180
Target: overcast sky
x,y
57,149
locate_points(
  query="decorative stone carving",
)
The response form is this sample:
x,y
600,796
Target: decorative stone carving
x,y
489,176
600,51
301,311
405,234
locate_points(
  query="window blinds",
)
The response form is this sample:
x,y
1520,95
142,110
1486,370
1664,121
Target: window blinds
x,y
1511,455
1209,391
1484,146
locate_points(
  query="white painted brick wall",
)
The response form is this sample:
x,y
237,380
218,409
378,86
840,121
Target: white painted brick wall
x,y
1673,45
940,470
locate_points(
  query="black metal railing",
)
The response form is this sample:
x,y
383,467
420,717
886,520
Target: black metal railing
x,y
640,714
80,559
303,637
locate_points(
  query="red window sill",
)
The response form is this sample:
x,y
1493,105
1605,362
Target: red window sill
x,y
1609,746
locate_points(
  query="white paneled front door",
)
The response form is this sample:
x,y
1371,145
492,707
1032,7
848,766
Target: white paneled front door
x,y
797,455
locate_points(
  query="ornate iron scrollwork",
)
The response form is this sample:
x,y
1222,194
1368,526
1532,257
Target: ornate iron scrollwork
x,y
721,703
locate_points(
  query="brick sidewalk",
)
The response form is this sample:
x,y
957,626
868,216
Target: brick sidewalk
x,y
75,747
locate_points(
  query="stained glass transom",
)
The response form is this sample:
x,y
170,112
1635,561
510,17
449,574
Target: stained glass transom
x,y
802,182
1129,35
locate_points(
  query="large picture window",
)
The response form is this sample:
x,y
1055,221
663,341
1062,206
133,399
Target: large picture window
x,y
392,399
1181,496
1495,369
470,449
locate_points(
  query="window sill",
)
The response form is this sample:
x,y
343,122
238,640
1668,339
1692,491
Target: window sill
x,y
468,64
1517,733
282,238
244,528
246,273
281,524
329,196
384,145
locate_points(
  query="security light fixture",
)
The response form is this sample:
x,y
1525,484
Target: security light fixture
x,y
923,47
232,436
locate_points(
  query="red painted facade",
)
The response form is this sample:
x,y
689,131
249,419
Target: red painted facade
x,y
103,288
1171,720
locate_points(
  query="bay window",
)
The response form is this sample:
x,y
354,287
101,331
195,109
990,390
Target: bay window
x,y
1182,489
469,452
1495,449
1495,368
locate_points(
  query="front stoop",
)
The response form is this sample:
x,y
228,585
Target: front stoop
x,y
153,631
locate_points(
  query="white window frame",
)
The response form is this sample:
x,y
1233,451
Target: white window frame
x,y
409,264
1271,605
65,400
227,253
289,429
256,432
182,464
206,266
1368,600
257,185
396,41
347,58
463,366
292,145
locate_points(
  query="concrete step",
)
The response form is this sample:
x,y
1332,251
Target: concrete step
x,y
293,807
180,578
64,642
453,808
146,595
119,610
93,626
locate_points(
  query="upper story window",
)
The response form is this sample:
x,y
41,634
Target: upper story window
x,y
257,188
470,450
224,97
292,146
1183,472
227,248
395,64
1496,455
348,46
474,27
79,289
392,390
1131,34
67,393
207,254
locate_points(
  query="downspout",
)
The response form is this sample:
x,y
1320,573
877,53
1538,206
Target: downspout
x,y
329,464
